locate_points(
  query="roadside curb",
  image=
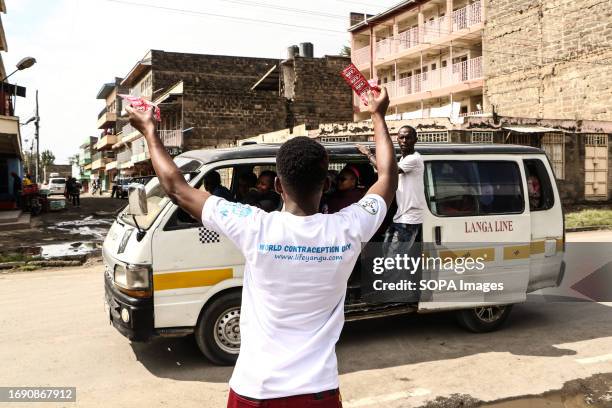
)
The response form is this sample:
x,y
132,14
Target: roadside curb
x,y
589,228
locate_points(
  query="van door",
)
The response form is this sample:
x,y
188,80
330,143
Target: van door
x,y
477,209
188,259
546,224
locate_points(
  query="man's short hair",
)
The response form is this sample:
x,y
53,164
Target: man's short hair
x,y
268,173
302,165
213,178
412,131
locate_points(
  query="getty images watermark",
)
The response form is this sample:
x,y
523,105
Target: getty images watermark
x,y
407,264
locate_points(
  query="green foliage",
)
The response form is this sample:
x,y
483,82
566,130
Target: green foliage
x,y
345,51
588,218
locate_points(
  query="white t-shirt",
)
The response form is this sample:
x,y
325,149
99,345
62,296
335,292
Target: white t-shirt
x,y
293,292
410,194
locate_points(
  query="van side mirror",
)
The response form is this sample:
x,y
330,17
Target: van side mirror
x,y
137,199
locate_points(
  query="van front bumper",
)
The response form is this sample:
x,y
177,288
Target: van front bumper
x,y
140,326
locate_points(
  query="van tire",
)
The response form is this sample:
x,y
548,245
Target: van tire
x,y
216,329
483,319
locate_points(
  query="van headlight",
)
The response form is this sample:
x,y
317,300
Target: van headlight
x,y
132,277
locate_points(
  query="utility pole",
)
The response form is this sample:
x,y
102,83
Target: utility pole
x,y
36,123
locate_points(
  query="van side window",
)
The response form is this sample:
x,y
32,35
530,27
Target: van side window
x,y
216,182
539,186
472,188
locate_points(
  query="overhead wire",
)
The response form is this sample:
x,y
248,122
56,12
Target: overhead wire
x,y
195,12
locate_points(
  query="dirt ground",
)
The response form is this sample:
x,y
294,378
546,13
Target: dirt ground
x,y
592,392
86,225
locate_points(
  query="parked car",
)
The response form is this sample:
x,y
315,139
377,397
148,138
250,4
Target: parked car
x,y
56,185
121,185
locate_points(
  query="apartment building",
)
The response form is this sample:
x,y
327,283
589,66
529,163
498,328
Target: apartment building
x,y
210,101
87,151
11,158
427,54
110,122
497,71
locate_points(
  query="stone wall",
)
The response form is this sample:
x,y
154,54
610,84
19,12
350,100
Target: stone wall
x,y
220,107
320,94
548,58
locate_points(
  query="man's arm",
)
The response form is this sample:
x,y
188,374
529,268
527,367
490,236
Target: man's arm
x,y
365,150
172,181
386,185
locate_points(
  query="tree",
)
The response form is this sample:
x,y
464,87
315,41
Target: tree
x,y
345,51
47,158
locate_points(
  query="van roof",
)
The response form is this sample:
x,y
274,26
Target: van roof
x,y
262,150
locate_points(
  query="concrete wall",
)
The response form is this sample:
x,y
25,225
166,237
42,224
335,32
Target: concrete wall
x,y
548,58
220,106
321,94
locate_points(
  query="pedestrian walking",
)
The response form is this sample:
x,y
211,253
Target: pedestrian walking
x,y
292,311
75,192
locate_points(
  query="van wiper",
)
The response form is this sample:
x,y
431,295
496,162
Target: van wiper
x,y
141,233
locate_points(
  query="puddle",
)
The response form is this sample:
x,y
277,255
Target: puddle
x,y
68,249
90,227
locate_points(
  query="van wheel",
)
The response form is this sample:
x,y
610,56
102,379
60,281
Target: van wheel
x,y
483,319
218,330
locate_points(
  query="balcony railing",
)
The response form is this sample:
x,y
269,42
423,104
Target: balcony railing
x,y
172,138
109,154
139,146
361,56
124,156
436,79
463,18
467,16
102,112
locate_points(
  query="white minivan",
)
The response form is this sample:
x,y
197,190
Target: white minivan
x,y
167,275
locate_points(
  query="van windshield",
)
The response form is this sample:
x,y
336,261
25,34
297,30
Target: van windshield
x,y
156,196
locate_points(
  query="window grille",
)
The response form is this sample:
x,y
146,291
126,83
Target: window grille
x,y
482,136
554,146
434,137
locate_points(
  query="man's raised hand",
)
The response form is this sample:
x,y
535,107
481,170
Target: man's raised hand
x,y
378,103
143,122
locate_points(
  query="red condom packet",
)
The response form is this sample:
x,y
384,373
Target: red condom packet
x,y
142,105
359,83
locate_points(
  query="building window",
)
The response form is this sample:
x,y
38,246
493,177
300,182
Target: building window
x,y
554,146
434,137
595,139
334,139
520,139
336,166
482,137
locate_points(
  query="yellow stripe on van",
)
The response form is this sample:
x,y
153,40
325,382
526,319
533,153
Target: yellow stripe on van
x,y
190,279
516,252
537,247
488,254
559,245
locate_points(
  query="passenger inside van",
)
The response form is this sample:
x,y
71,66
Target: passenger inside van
x,y
263,195
246,182
534,189
212,184
348,190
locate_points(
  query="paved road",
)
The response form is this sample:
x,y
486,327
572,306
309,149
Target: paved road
x,y
54,333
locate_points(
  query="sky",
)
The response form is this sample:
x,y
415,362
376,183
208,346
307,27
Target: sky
x,y
81,44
